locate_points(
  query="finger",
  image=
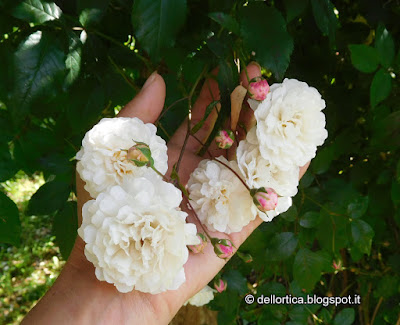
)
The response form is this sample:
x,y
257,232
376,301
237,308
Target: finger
x,y
246,117
148,104
209,92
303,169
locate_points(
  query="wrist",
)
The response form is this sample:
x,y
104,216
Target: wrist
x,y
86,300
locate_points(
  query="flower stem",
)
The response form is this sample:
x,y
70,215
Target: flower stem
x,y
197,217
189,116
227,166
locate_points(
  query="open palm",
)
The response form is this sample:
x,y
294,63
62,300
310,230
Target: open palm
x,y
100,301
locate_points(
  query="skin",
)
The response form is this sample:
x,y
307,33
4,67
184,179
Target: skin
x,y
77,297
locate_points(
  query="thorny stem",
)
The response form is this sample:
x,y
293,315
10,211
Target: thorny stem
x,y
168,108
163,176
142,58
227,166
376,310
119,70
197,217
199,141
189,117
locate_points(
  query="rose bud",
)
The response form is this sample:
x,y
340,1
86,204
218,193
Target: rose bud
x,y
338,265
220,285
258,89
265,199
225,139
247,258
199,248
223,248
140,154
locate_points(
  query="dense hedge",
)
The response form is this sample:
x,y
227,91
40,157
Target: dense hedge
x,y
66,64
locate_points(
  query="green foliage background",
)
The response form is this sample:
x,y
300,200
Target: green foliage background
x,y
66,64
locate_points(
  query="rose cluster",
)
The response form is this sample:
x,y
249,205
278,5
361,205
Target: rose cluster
x,y
228,195
135,233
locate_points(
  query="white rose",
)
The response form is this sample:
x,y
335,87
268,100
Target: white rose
x,y
219,198
136,236
103,158
259,172
203,297
290,124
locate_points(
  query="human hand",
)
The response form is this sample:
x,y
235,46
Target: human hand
x,y
102,300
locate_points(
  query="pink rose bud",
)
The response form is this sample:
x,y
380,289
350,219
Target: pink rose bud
x,y
223,248
265,199
337,266
258,89
199,248
220,285
225,139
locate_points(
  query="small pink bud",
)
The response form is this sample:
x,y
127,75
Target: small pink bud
x,y
258,89
337,266
223,248
225,139
265,199
199,248
220,285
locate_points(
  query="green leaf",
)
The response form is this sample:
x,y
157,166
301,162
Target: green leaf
x,y
263,31
325,18
226,21
345,317
73,60
290,214
7,76
333,231
358,207
85,105
385,46
364,58
299,315
91,12
395,193
387,287
294,8
8,166
49,197
362,235
65,228
10,226
380,87
281,246
307,268
236,281
156,23
38,62
37,11
321,163
398,171
310,219
208,111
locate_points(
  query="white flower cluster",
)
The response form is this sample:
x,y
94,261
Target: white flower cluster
x,y
203,297
135,233
290,126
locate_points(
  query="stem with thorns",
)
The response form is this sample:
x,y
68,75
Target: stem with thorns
x,y
189,116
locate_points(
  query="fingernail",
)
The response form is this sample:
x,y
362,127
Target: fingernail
x,y
256,64
150,80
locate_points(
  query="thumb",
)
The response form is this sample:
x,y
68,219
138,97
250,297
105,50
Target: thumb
x,y
149,102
